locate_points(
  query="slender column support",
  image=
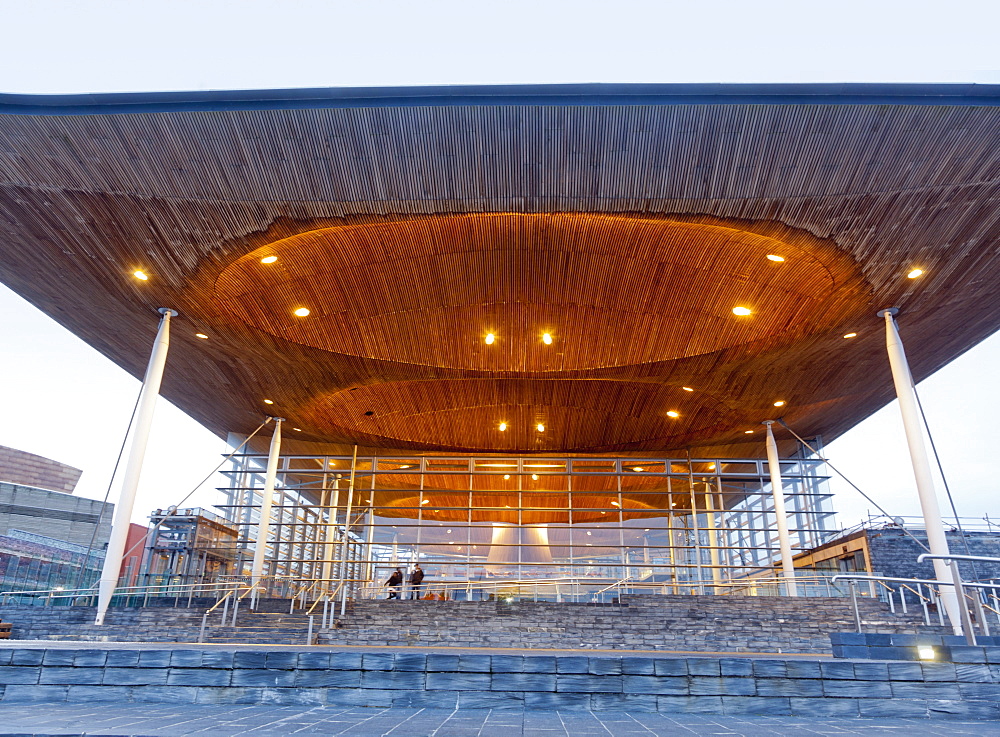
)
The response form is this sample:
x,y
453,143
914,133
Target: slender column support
x,y
267,500
936,539
130,482
781,517
344,548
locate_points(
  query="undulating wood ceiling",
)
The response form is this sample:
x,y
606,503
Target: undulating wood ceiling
x,y
627,232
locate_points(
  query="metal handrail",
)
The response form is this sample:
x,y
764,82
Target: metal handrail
x,y
980,558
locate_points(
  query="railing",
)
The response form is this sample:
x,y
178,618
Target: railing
x,y
127,596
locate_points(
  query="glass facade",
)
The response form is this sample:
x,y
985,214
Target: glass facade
x,y
685,525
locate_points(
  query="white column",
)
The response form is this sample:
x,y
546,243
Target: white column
x,y
267,499
140,436
921,465
778,493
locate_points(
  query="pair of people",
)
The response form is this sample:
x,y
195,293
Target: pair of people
x,y
395,582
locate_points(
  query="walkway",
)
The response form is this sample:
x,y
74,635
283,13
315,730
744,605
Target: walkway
x,y
151,720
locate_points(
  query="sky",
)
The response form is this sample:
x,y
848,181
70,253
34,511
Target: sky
x,y
65,401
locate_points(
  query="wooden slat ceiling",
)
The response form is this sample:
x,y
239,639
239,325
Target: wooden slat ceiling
x,y
627,232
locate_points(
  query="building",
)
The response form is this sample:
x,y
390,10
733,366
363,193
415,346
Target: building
x,y
514,313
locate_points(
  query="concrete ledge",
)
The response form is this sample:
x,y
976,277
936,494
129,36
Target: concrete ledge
x,y
688,685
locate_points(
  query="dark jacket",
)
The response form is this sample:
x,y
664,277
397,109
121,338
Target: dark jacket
x,y
396,579
416,577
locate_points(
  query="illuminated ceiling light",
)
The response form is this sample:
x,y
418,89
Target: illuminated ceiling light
x,y
490,337
402,467
540,427
426,501
914,273
687,388
269,259
546,338
646,530
743,311
333,463
748,432
588,532
502,426
637,469
301,312
201,335
448,532
711,466
534,477
506,477
851,335
673,413
297,429
775,258
780,403
140,275
615,504
268,401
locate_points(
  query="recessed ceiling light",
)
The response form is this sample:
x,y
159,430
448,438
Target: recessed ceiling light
x,y
588,532
534,477
426,501
673,413
687,388
914,273
490,337
711,466
502,426
615,504
402,467
748,432
201,335
742,311
851,335
546,338
506,477
775,258
301,312
268,401
297,429
637,469
269,259
646,530
780,403
141,275
540,427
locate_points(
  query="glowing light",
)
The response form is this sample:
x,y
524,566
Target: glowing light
x,y
646,530
775,258
301,312
297,429
502,426
926,653
426,501
506,477
546,338
673,413
748,432
915,273
780,403
711,466
851,335
588,532
490,338
268,401
534,477
201,335
141,275
687,388
743,311
269,259
540,427
615,504
637,469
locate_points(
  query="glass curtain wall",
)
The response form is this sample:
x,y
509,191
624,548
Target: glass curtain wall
x,y
473,521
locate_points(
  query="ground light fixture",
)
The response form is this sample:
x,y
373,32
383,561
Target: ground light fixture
x,y
926,653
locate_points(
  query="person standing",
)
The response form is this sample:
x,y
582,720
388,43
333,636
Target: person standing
x,y
416,578
394,583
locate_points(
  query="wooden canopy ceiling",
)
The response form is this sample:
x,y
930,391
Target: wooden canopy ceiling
x,y
626,223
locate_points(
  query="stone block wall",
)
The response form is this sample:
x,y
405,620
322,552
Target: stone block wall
x,y
28,469
894,553
705,685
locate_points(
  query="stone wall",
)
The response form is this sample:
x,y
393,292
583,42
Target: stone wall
x,y
28,469
704,685
894,553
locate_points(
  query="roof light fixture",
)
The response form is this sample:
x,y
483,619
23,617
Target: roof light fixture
x,y
774,257
687,388
426,501
748,432
301,312
506,477
540,427
490,337
742,311
546,338
673,413
201,335
780,403
637,469
851,335
615,504
140,275
914,273
502,426
534,477
269,259
268,401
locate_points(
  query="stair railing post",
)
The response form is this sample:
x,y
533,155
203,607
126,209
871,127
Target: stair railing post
x,y
854,605
981,613
204,623
963,605
309,636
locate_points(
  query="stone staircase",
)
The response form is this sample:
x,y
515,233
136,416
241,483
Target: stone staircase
x,y
680,623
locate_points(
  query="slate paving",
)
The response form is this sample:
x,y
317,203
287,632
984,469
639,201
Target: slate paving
x,y
148,720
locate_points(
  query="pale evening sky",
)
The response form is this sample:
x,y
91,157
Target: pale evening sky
x,y
65,401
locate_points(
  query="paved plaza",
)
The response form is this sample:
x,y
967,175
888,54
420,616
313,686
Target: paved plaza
x,y
149,720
